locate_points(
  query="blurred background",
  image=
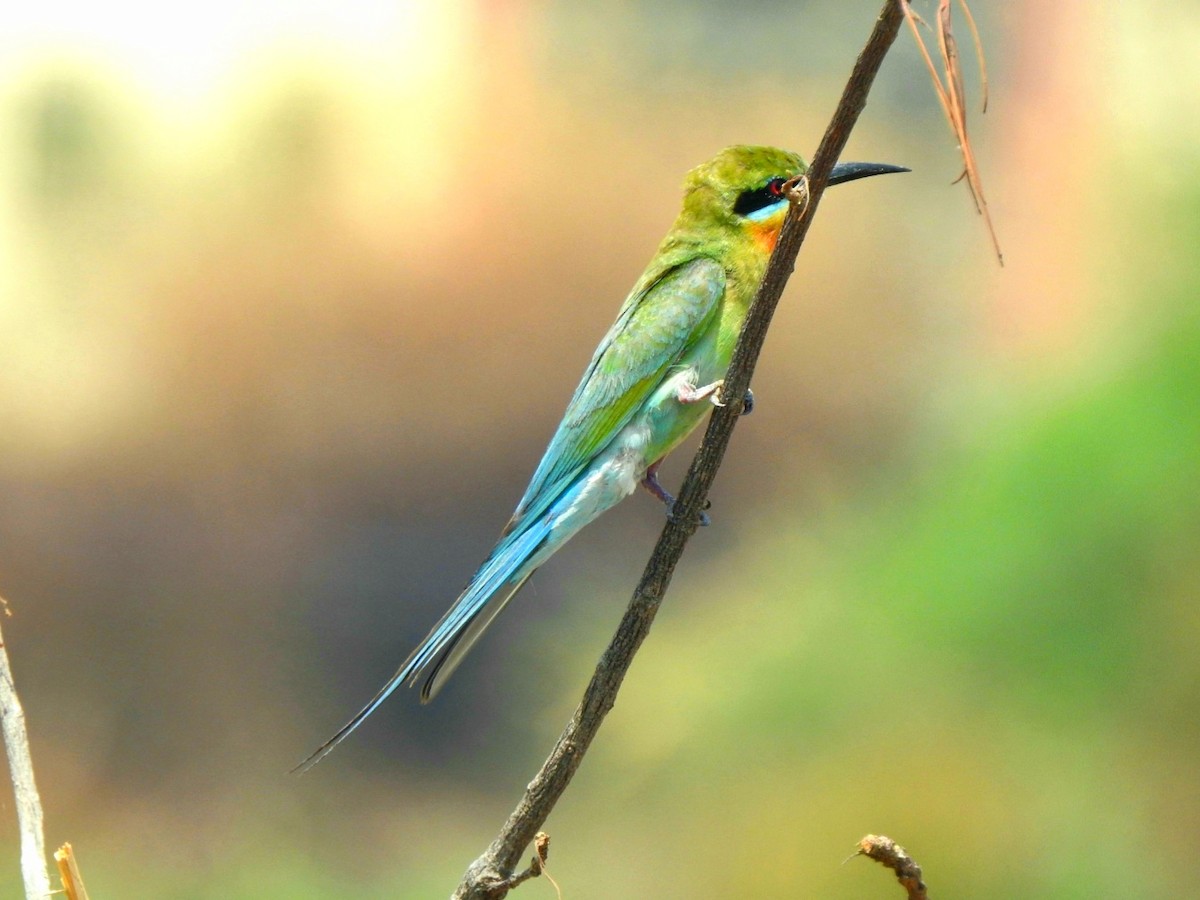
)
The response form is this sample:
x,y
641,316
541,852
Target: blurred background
x,y
292,297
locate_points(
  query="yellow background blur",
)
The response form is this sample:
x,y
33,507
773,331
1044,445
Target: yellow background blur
x,y
291,298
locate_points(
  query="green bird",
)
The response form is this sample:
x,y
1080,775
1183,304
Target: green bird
x,y
649,384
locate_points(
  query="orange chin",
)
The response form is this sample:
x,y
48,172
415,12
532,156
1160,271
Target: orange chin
x,y
766,234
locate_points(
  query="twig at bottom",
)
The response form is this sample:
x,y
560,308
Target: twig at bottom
x,y
884,850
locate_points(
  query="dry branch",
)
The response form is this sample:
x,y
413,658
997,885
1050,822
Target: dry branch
x,y
487,876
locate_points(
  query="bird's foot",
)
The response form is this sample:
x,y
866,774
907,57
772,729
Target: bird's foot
x,y
688,393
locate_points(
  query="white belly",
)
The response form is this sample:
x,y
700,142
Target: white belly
x,y
613,477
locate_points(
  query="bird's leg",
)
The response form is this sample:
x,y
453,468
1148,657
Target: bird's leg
x,y
651,483
687,393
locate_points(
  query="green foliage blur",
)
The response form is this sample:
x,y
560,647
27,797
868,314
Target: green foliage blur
x,y
290,306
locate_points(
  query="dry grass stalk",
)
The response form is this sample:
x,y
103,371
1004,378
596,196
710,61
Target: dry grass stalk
x,y
952,97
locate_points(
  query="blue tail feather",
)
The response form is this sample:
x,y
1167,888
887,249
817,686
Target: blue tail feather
x,y
498,579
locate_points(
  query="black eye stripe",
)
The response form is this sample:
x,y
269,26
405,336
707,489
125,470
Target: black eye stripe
x,y
752,201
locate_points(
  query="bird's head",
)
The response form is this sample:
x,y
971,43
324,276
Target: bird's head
x,y
742,187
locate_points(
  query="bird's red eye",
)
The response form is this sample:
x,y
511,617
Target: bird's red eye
x,y
775,186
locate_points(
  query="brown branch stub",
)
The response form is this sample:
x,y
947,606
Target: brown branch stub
x,y
796,190
68,872
884,850
486,877
537,866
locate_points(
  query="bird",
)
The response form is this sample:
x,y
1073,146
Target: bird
x,y
652,378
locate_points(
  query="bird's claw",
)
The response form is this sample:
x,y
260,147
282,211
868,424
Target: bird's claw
x,y
747,399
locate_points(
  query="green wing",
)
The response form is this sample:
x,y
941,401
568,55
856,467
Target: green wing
x,y
658,322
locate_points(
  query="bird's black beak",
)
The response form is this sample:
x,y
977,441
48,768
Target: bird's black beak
x,y
852,171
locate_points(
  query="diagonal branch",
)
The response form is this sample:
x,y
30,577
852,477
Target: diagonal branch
x,y
487,876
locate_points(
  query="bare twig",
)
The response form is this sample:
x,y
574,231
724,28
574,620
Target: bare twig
x,y
886,851
487,876
20,765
